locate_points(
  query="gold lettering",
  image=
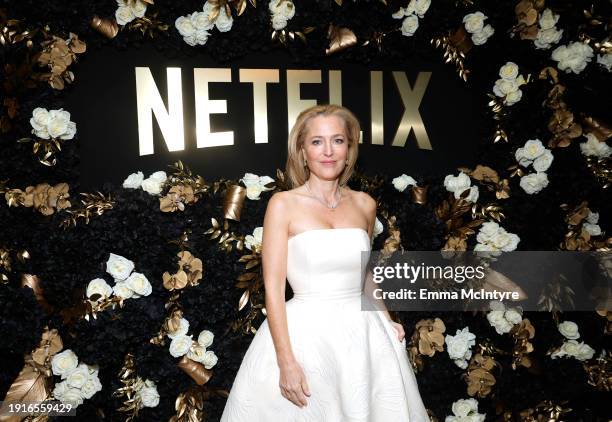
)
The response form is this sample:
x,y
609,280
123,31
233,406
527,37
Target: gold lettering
x,y
411,118
376,94
204,107
259,78
294,103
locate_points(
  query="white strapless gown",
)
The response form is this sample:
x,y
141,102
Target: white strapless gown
x,y
356,368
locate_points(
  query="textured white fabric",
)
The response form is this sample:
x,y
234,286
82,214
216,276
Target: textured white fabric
x,y
356,368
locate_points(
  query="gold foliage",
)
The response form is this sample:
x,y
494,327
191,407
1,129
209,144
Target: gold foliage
x,y
92,204
599,372
521,334
339,39
57,55
224,235
526,12
426,340
131,384
149,26
479,375
562,124
185,188
577,238
190,271
189,405
43,197
284,36
455,45
105,26
452,212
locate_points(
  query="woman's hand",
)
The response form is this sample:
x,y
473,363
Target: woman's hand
x,y
293,384
400,330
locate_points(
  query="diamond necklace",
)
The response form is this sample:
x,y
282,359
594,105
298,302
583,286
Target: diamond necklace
x,y
333,206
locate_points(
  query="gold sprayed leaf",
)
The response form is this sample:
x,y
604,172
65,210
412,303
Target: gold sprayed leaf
x,y
30,385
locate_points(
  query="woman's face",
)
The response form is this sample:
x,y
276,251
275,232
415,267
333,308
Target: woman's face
x,y
325,146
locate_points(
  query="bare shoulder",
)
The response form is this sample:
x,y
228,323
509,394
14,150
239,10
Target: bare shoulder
x,y
364,200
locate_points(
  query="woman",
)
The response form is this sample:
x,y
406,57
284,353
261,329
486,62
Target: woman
x,y
319,357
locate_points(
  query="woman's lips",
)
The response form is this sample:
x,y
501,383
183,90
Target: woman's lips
x,y
328,163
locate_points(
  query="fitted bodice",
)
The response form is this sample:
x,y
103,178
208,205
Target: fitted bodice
x,y
327,263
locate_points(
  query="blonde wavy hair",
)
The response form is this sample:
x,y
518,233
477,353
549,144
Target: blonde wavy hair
x,y
296,170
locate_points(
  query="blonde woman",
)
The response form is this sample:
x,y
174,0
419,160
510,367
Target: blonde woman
x,y
318,357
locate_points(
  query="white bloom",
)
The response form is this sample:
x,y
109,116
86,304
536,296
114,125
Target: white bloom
x,y
492,237
474,22
593,147
543,162
282,8
572,348
139,284
403,11
592,229
509,71
40,118
504,87
402,182
533,148
421,7
573,57
457,183
148,395
91,386
378,227
197,353
472,196
124,15
63,363
548,19
133,181
585,352
278,22
481,37
210,359
206,338
255,185
152,185
122,290
534,182
184,26
254,241
499,322
181,330
513,97
180,345
459,345
222,22
119,267
593,217
463,407
514,315
409,25
487,231
66,394
605,60
52,124
78,377
99,286
546,37
200,21
569,329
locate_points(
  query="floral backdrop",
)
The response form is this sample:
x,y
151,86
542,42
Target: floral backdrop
x,y
139,300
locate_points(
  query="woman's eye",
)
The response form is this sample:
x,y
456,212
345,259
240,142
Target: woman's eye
x,y
315,141
340,139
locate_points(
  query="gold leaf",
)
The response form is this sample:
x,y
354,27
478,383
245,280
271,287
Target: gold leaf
x,y
243,300
30,385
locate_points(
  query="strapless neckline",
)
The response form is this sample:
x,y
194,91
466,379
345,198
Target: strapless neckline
x,y
328,230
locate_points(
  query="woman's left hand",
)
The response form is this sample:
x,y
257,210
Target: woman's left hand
x,y
400,330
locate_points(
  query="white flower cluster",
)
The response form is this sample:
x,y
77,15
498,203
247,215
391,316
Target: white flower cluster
x,y
548,33
502,318
128,11
460,183
378,228
282,11
416,9
459,346
195,26
534,153
591,225
572,57
402,182
508,86
146,394
254,241
495,239
182,344
52,124
571,347
594,147
255,185
605,60
465,410
474,24
153,185
80,381
128,284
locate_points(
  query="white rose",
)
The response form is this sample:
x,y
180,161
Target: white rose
x,y
488,248
91,386
253,192
506,241
457,346
570,348
569,330
487,231
206,338
250,179
59,390
400,13
197,353
264,180
409,25
463,407
159,176
546,37
151,186
138,8
472,196
200,21
474,21
509,71
593,217
224,22
201,36
496,305
40,118
534,182
499,322
548,19
520,157
254,240
279,22
124,15
122,290
378,227
73,396
543,162
402,182
421,6
210,359
78,377
461,363
503,87
63,363
133,181
605,60
481,37
180,345
191,40
119,267
573,57
592,229
139,284
285,9
593,147
181,330
514,315
149,397
184,26
458,183
99,286
584,352
513,97
58,123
